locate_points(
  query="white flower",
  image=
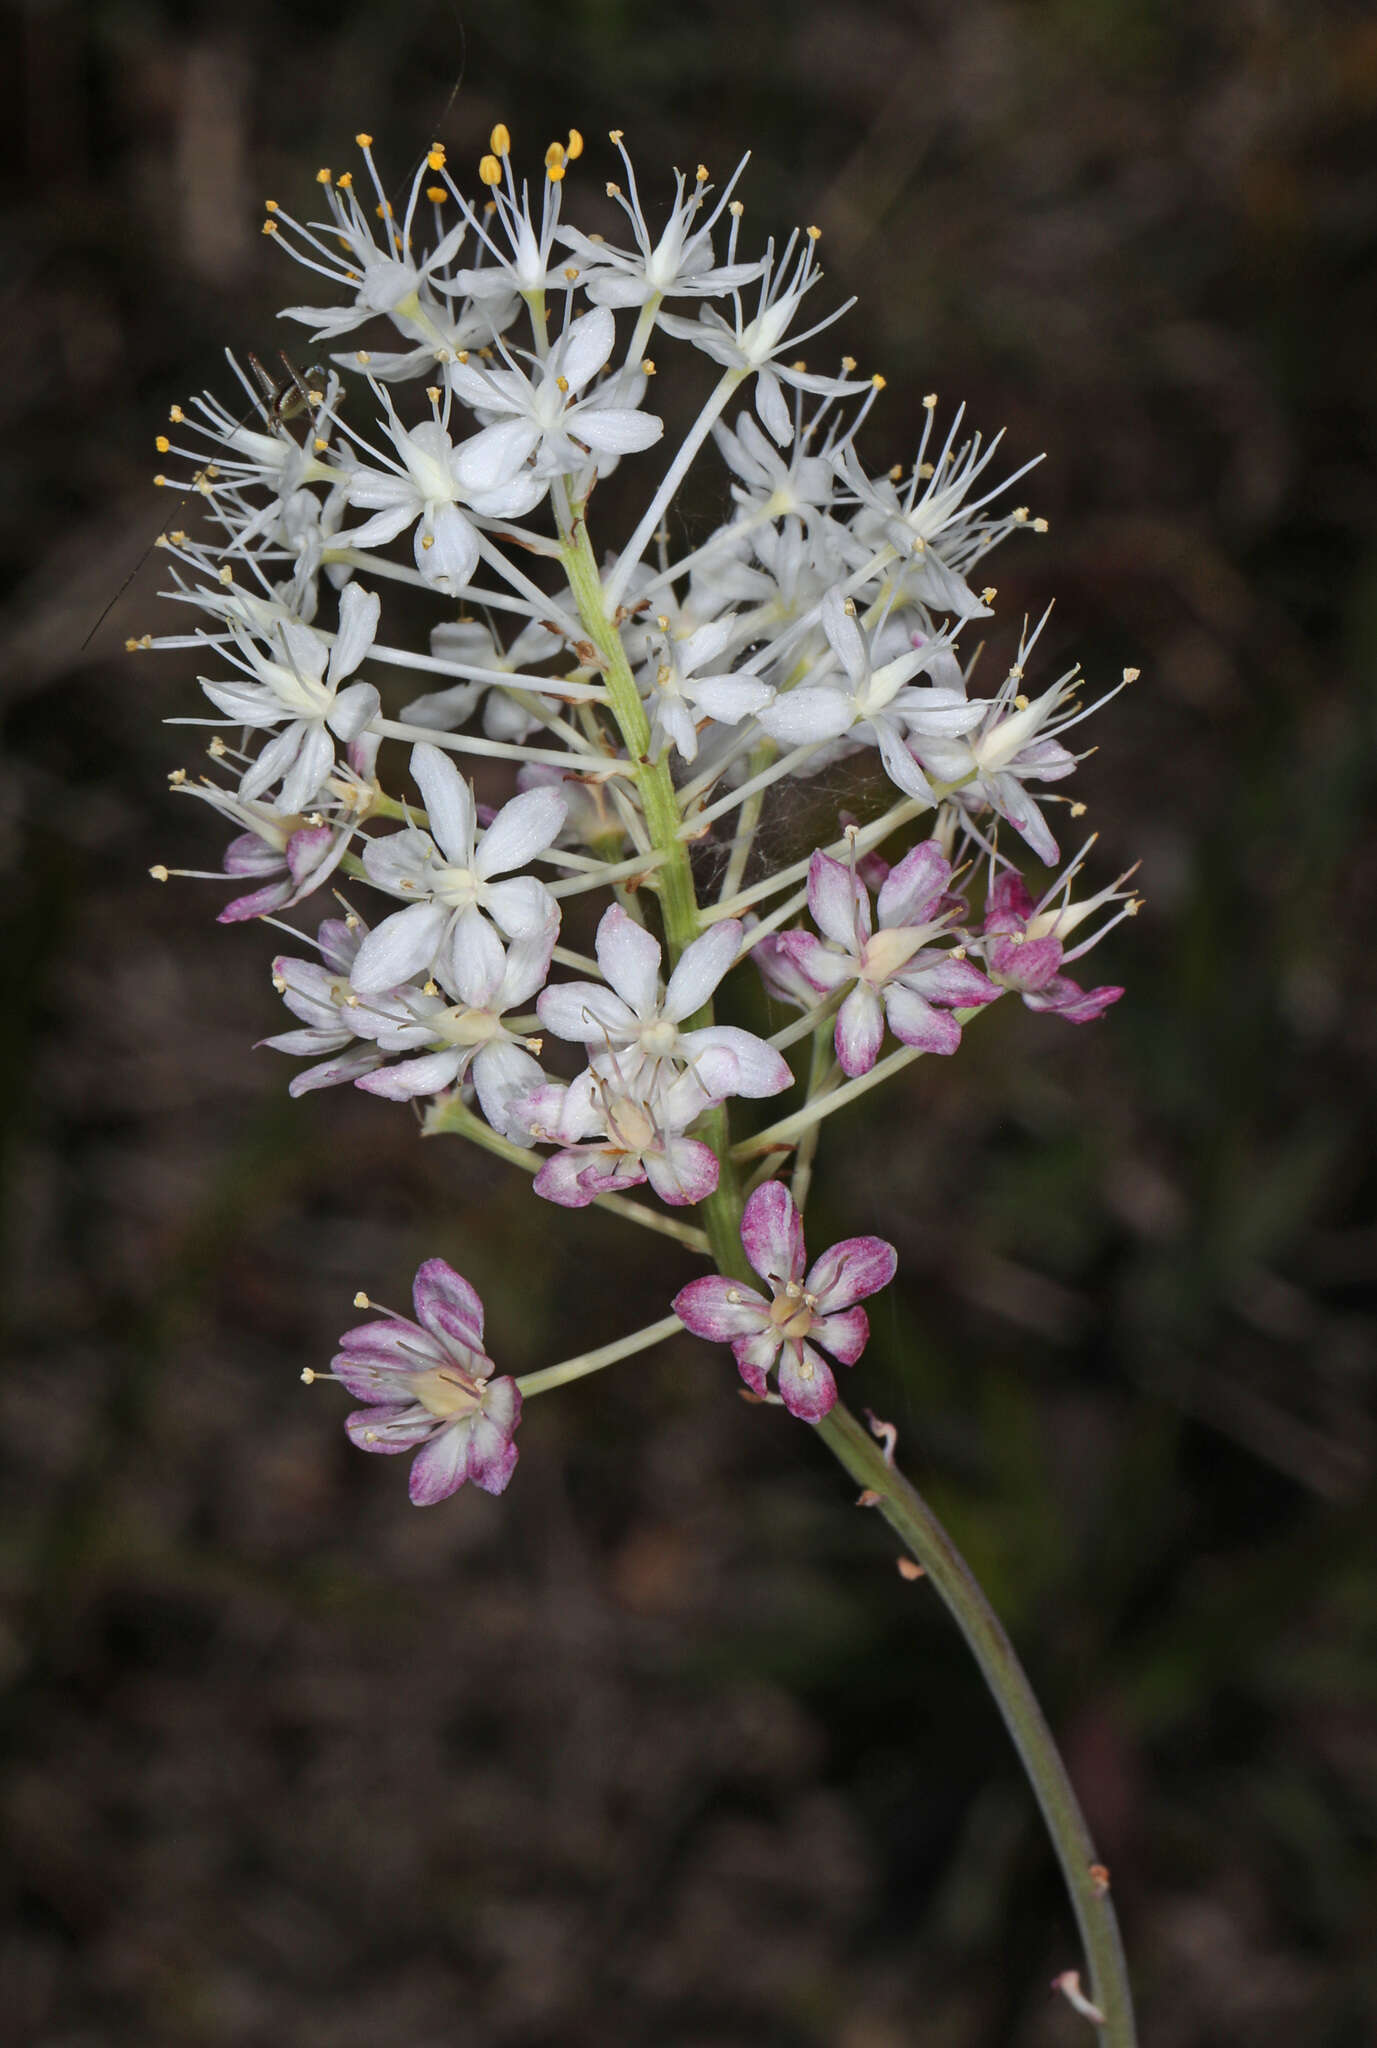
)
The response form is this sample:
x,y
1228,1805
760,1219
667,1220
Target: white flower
x,y
632,1028
871,702
449,873
753,345
299,682
425,486
541,419
676,694
677,264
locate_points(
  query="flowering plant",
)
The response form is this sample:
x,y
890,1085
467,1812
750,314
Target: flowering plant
x,y
652,706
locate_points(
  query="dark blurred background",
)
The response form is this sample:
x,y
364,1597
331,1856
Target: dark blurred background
x,y
658,1751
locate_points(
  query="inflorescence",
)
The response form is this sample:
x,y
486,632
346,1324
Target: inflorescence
x,y
652,705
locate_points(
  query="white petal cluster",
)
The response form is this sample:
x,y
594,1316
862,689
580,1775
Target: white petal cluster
x,y
442,684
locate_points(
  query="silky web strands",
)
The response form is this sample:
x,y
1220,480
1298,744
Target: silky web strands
x,y
652,703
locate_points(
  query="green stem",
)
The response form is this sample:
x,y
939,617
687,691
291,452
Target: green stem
x,y
913,1521
594,1361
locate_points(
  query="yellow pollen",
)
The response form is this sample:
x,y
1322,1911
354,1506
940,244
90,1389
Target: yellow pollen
x,y
931,401
848,364
1039,526
217,748
435,156
159,873
320,444
573,149
436,194
896,473
1020,703
1078,810
323,175
701,174
925,470
427,540
562,384
554,158
225,576
162,444
614,135
877,382
364,141
433,393
849,607
362,358
361,1300
176,415
270,227
490,171
176,776
736,209
1131,675
647,367
1020,514
270,206
988,594
346,181
308,1378
814,234
161,482
571,272
799,365
500,140
612,189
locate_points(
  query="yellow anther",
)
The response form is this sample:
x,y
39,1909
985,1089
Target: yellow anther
x,y
345,181
225,576
1078,810
176,415
614,135
1020,703
364,141
877,382
433,393
270,206
1039,526
925,470
435,156
848,364
1019,514
896,474
573,148
849,607
562,385
361,1300
736,209
647,367
320,444
161,482
490,171
814,234
159,873
436,194
362,358
1131,675
427,540
270,227
323,175
930,401
554,158
217,749
176,776
701,174
500,140
162,444
989,594
800,365
571,271
308,1378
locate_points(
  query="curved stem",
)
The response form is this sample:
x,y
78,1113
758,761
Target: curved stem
x,y
1087,1881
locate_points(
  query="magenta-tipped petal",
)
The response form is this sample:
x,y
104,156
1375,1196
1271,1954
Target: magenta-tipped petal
x,y
914,1021
389,1430
447,1305
851,1270
720,1309
772,1233
838,902
845,1334
860,1030
909,893
756,1353
806,1383
394,1346
440,1467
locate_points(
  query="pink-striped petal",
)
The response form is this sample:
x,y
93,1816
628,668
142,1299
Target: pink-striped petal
x,y
448,1306
845,1334
838,902
772,1233
910,890
851,1270
720,1310
860,1030
806,1383
915,1022
630,959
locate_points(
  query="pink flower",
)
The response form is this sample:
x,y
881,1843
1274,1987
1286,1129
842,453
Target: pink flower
x,y
765,1332
429,1389
1023,950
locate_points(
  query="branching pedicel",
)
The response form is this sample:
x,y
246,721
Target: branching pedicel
x,y
649,703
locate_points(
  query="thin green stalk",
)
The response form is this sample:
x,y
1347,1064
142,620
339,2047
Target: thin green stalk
x,y
1087,1881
